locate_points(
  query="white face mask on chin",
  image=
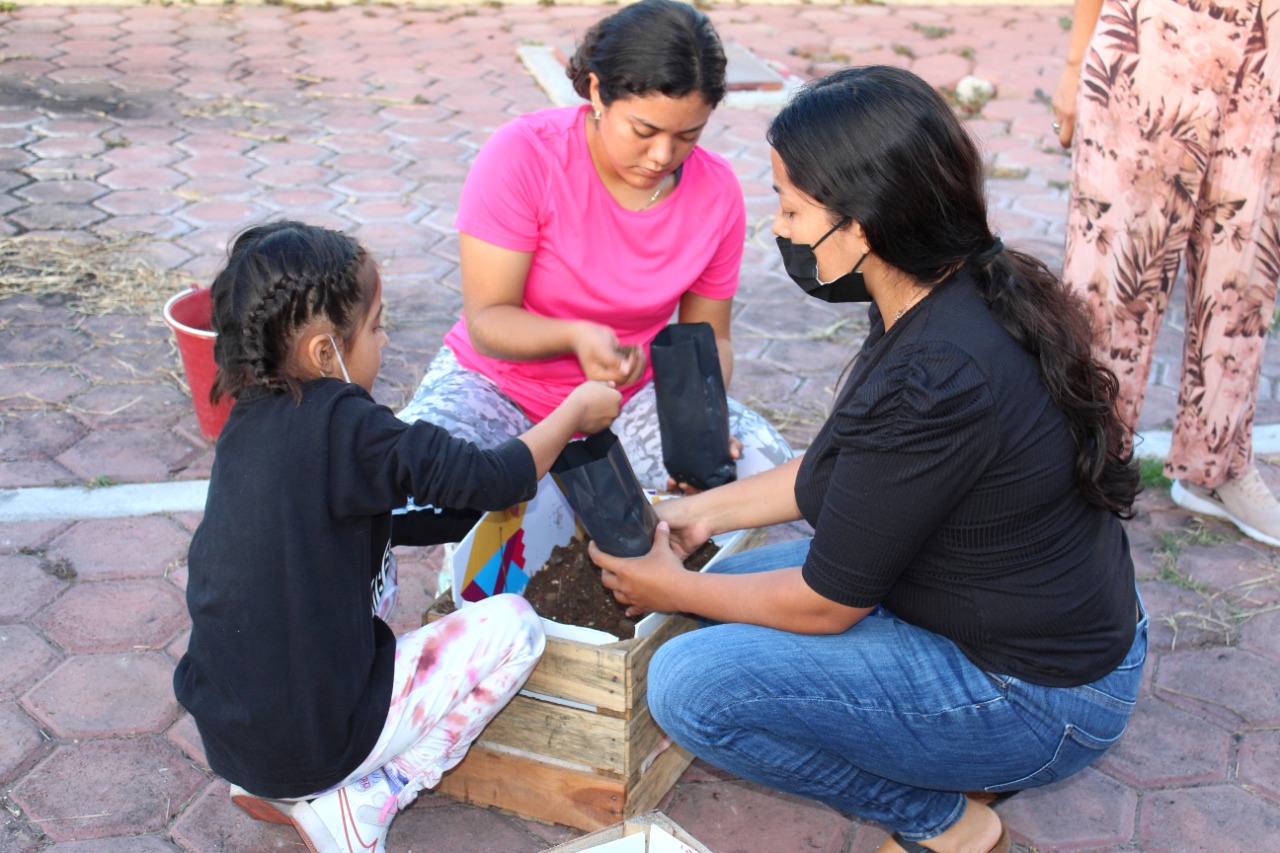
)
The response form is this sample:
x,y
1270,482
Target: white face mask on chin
x,y
338,353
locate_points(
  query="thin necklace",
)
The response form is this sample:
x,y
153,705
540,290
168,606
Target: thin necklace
x,y
904,308
662,183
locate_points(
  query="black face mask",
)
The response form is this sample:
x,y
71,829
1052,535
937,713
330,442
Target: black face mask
x,y
802,265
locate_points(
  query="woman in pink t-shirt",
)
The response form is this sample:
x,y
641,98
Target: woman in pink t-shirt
x,y
585,230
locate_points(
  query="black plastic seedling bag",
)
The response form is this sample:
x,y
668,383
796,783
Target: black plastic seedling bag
x,y
596,476
693,413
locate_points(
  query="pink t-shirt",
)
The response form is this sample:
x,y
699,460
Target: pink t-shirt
x,y
533,188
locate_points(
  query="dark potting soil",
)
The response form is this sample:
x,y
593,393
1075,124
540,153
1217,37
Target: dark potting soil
x,y
568,590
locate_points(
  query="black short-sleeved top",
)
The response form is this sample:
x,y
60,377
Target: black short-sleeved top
x,y
943,487
288,672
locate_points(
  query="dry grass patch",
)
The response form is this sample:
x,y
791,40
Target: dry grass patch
x,y
102,275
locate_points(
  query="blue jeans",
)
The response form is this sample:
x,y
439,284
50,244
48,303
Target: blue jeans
x,y
887,721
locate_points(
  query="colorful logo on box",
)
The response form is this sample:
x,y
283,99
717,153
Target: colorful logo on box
x,y
496,563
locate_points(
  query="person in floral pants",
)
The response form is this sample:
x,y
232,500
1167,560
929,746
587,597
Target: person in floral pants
x,y
1171,110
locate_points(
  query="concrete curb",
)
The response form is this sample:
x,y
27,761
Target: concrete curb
x,y
77,502
73,503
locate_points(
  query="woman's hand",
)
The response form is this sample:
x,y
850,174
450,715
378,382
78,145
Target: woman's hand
x,y
602,358
1064,103
633,363
1083,22
687,529
647,584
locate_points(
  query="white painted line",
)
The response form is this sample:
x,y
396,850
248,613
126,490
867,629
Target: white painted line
x,y
77,502
1155,443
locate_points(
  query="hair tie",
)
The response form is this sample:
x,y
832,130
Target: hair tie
x,y
988,255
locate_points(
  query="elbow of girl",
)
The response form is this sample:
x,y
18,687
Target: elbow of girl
x,y
724,349
479,341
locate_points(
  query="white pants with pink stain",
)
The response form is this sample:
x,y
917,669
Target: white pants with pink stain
x,y
451,678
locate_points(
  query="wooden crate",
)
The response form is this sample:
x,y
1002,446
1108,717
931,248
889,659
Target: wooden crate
x,y
578,746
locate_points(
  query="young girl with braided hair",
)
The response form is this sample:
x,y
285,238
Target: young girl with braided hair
x,y
305,700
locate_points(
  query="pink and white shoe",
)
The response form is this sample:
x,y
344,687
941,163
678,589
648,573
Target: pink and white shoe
x,y
352,819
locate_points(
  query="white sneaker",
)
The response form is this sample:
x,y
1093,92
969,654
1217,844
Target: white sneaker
x,y
1244,501
348,820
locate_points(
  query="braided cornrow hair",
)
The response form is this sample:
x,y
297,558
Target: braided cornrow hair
x,y
279,277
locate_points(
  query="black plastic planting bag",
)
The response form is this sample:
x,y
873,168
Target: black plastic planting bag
x,y
693,413
596,476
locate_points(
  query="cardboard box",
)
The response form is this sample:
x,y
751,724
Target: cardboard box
x,y
578,745
653,832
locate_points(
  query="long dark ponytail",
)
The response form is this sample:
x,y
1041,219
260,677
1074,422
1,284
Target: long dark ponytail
x,y
878,146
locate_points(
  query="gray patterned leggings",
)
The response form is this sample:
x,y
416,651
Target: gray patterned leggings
x,y
469,405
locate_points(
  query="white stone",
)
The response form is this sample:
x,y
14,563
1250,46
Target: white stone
x,y
973,93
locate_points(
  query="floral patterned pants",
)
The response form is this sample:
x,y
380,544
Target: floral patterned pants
x,y
1175,159
451,677
471,406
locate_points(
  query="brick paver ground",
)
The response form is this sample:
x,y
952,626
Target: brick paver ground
x,y
176,125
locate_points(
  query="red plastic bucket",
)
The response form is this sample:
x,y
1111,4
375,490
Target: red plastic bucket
x,y
190,315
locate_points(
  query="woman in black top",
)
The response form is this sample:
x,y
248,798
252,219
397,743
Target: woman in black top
x,y
964,618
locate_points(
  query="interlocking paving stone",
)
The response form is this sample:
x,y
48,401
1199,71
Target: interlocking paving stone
x,y
1220,685
16,537
1209,819
151,404
28,587
123,616
57,217
740,817
36,434
25,656
148,178
1164,746
19,739
191,120
1088,811
104,787
106,695
1259,763
1261,634
120,548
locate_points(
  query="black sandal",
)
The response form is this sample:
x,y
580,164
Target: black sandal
x,y
909,846
988,798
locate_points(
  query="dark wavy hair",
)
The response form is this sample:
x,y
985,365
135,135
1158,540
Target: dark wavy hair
x,y
277,278
878,146
662,46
